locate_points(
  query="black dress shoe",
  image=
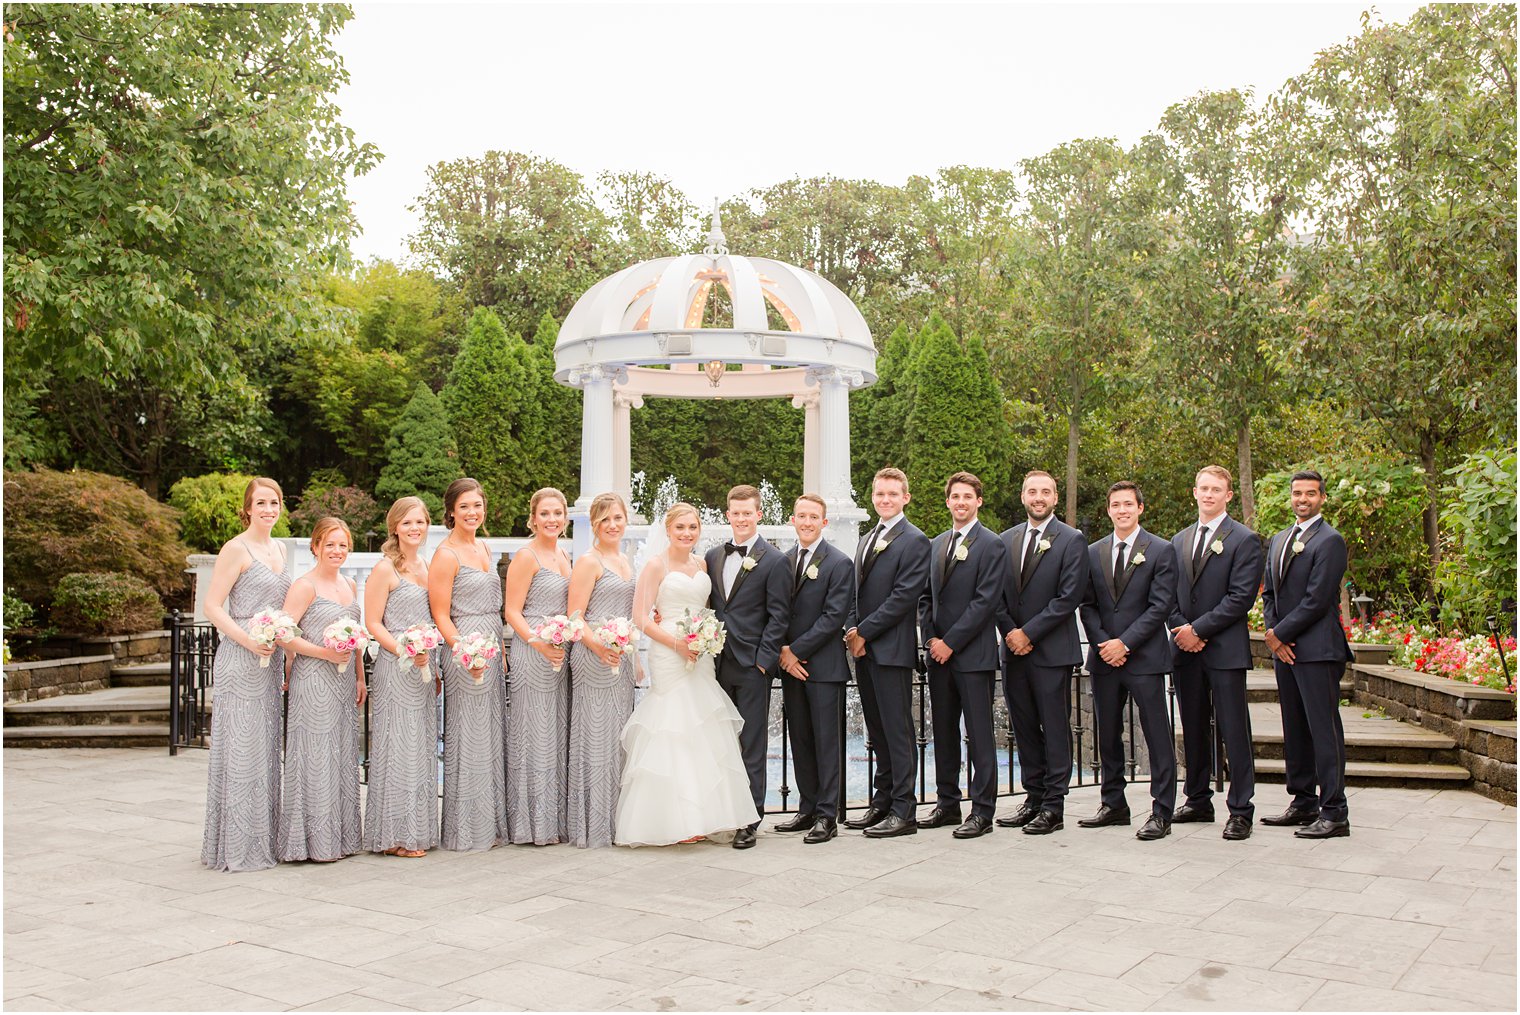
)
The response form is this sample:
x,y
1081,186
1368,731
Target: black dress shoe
x,y
1324,828
1106,816
800,823
974,826
1044,823
1155,827
1294,816
824,829
939,817
890,826
869,819
744,838
1021,817
1236,828
1187,813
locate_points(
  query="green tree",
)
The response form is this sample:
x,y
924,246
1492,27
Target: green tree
x,y
650,217
955,424
1090,222
174,180
879,414
553,431
422,457
490,400
1410,130
1477,575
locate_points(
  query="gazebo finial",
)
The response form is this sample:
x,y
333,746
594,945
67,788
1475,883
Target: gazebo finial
x,y
717,243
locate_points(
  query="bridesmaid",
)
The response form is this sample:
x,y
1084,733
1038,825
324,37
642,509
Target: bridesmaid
x,y
465,596
601,699
538,727
401,809
243,782
319,810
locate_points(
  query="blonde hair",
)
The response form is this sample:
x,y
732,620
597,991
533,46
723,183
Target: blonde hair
x,y
1218,472
601,507
542,495
812,498
245,514
327,525
891,472
678,509
391,548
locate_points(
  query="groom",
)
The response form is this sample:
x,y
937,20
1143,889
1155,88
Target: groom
x,y
751,590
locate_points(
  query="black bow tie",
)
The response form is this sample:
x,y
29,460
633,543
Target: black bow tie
x,y
732,548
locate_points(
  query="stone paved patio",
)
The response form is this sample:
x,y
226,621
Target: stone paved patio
x,y
106,907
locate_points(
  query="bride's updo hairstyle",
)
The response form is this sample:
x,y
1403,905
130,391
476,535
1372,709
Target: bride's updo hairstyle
x,y
456,490
678,509
540,496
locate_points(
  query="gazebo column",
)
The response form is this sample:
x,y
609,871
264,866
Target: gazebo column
x,y
807,401
597,454
623,405
834,452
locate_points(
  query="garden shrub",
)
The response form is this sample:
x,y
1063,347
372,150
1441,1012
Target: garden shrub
x,y
1477,570
209,507
59,523
349,503
106,603
422,456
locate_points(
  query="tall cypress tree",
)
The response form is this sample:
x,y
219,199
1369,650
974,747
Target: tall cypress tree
x,y
552,432
878,415
490,399
422,458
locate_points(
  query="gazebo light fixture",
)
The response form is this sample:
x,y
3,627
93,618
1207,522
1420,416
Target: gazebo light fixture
x,y
714,371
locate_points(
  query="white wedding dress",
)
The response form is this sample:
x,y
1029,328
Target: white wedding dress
x,y
683,775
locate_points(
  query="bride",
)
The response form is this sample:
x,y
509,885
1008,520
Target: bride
x,y
683,776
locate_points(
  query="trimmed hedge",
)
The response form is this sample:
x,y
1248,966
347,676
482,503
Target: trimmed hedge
x,y
106,603
59,523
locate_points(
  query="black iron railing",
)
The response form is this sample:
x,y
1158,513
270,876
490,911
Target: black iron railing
x,y
192,651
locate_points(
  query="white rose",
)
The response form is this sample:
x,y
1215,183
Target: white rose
x,y
811,572
1217,546
1042,546
748,563
1137,560
960,552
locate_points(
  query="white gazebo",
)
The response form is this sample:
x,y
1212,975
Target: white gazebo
x,y
650,330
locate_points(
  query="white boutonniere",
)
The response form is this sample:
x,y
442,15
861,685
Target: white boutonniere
x,y
1298,547
882,546
1137,560
960,552
1217,546
748,563
812,572
1041,547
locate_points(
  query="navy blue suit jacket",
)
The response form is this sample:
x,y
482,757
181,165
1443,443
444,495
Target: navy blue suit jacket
x,y
1136,610
890,585
823,608
960,605
1045,606
1218,597
1303,605
756,615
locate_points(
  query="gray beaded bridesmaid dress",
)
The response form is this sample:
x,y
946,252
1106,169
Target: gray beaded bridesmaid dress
x,y
474,723
601,700
538,724
243,781
401,806
319,806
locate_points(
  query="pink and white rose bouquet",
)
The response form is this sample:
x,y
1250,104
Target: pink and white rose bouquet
x,y
559,631
703,633
271,627
416,642
618,633
345,635
474,652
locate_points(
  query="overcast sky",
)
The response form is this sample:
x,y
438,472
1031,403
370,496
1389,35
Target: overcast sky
x,y
721,98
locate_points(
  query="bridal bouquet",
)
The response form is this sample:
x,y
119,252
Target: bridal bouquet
x,y
559,631
618,633
703,631
345,636
474,651
270,627
419,640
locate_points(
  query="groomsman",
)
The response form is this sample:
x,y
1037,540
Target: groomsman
x,y
892,570
1305,566
1131,591
751,591
1038,617
1220,563
968,569
813,659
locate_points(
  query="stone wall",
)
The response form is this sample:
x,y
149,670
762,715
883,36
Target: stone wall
x,y
129,649
49,678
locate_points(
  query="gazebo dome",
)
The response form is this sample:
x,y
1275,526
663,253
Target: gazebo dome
x,y
659,312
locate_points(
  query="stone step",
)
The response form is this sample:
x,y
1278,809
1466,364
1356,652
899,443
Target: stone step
x,y
140,675
114,706
1375,739
1261,686
1379,773
139,735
